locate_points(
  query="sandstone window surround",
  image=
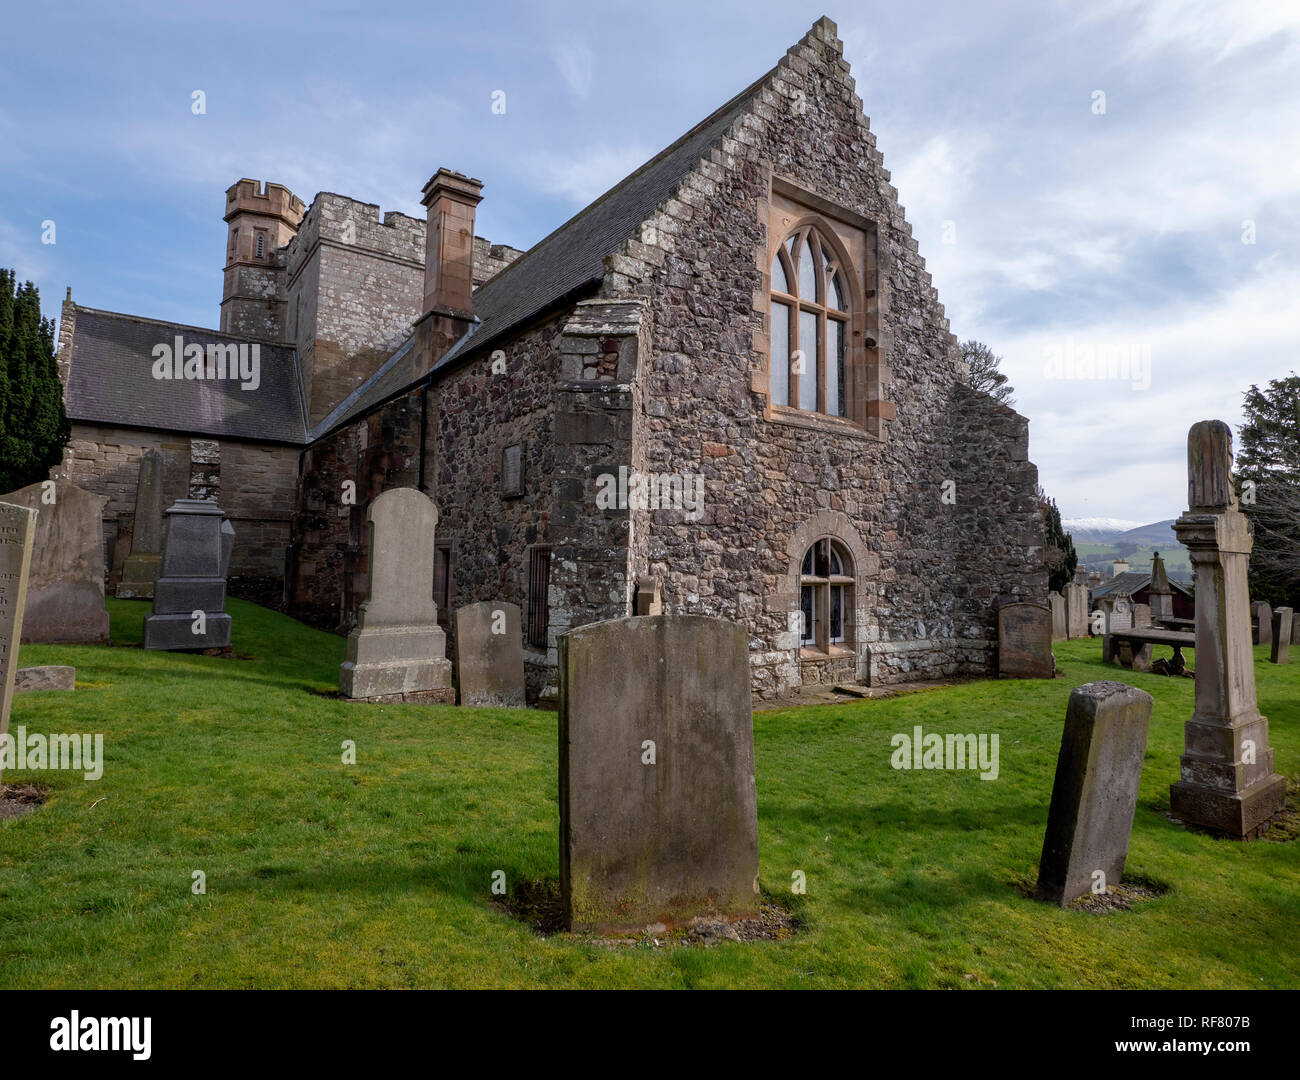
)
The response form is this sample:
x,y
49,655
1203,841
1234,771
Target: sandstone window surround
x,y
820,346
826,599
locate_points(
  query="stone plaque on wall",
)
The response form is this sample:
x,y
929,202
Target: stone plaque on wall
x,y
512,470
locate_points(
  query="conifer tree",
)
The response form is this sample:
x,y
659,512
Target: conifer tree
x,y
1268,488
33,426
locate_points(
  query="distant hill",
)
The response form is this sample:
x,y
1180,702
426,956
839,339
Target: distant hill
x,y
1098,530
1099,541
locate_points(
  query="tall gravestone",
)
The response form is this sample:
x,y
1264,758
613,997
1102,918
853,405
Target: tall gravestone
x,y
1160,593
658,819
1295,631
1142,616
1094,796
1076,609
398,652
65,588
1262,616
1280,653
189,604
1228,784
490,655
17,534
1056,602
1025,641
142,566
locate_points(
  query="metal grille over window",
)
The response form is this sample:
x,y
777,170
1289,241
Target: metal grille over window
x,y
539,583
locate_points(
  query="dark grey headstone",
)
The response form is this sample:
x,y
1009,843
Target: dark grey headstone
x,y
191,581
1280,652
1025,641
490,655
1095,792
645,843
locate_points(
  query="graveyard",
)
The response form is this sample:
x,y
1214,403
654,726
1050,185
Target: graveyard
x,y
380,874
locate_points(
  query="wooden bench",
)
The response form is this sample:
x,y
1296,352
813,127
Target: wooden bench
x,y
1132,648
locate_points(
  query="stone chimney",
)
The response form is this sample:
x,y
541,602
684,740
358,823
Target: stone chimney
x,y
448,268
1120,567
449,243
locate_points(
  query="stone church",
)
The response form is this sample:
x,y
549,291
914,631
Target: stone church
x,y
727,383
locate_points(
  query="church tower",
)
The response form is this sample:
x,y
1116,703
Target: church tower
x,y
261,219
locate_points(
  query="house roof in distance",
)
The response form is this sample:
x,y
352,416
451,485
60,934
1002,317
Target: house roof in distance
x,y
111,381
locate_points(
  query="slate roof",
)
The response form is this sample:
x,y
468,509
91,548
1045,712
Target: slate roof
x,y
560,268
1133,581
111,382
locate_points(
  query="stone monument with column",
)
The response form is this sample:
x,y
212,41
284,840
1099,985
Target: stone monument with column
x,y
1228,783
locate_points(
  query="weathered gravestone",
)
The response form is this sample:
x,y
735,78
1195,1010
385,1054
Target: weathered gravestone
x,y
142,566
1262,616
65,589
189,604
1076,610
1295,631
398,652
1060,630
1095,792
1025,641
45,677
1280,653
17,534
658,820
1228,784
1121,615
1142,616
490,655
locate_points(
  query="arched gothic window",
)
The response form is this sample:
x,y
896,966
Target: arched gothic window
x,y
810,312
826,595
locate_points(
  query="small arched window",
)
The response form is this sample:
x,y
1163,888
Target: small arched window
x,y
826,596
261,245
809,325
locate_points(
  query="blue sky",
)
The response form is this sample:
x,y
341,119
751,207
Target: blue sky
x,y
1050,227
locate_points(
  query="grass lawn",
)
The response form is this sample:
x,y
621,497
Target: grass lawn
x,y
321,874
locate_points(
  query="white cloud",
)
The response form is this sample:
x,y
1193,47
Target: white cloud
x,y
576,63
587,173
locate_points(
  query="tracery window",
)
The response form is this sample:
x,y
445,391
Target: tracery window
x,y
810,313
826,595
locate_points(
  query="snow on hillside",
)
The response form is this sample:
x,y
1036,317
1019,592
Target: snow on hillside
x,y
1098,529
